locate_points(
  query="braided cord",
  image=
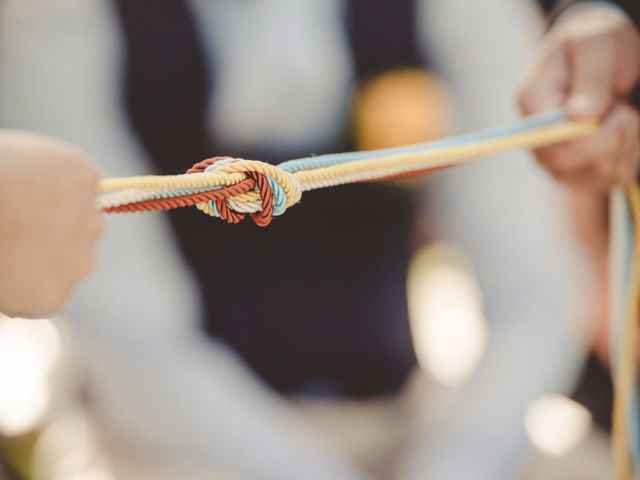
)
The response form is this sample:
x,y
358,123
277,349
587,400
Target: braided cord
x,y
489,134
233,188
625,299
439,158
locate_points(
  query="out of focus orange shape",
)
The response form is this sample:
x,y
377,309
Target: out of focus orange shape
x,y
401,107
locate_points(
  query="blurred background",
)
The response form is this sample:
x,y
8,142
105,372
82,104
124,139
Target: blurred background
x,y
444,336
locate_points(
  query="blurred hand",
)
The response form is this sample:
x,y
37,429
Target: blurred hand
x,y
588,65
48,222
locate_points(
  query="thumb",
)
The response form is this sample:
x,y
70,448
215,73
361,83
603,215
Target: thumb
x,y
592,64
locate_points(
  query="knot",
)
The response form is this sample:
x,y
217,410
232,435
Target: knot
x,y
271,190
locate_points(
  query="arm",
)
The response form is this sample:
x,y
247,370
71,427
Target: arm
x,y
48,222
589,64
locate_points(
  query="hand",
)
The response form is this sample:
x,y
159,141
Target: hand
x,y
588,65
48,222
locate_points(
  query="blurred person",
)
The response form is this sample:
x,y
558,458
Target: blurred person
x,y
315,305
589,64
514,226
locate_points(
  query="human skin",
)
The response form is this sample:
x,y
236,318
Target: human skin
x,y
49,223
588,65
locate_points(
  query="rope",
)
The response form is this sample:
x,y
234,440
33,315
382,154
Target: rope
x,y
625,298
232,189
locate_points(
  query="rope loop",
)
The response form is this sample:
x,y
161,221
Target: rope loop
x,y
273,190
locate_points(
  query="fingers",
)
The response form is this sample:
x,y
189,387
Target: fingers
x,y
51,228
588,65
609,156
584,72
543,87
592,62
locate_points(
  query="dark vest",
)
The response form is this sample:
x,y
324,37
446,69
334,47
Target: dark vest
x,y
316,302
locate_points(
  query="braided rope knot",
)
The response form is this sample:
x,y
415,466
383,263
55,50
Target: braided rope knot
x,y
270,191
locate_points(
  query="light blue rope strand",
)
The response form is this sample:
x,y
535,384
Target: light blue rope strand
x,y
634,426
521,126
634,410
279,197
627,248
214,210
311,163
617,332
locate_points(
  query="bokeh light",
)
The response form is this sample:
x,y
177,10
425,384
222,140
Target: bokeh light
x,y
449,329
28,352
556,424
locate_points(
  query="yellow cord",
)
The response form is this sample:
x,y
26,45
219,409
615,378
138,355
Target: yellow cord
x,y
626,371
363,170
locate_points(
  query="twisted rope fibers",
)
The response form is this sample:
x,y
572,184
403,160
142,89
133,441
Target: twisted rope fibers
x,y
233,189
625,297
